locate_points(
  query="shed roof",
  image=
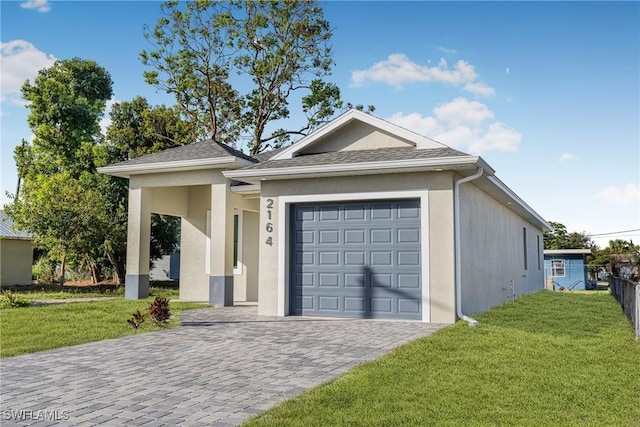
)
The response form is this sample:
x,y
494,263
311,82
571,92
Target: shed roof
x,y
7,231
567,251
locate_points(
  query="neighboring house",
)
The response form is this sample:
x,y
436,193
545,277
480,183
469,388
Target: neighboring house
x,y
361,218
16,254
566,269
166,268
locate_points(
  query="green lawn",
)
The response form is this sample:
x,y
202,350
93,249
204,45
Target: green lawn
x,y
37,328
548,359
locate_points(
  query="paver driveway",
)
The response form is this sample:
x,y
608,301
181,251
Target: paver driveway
x,y
222,366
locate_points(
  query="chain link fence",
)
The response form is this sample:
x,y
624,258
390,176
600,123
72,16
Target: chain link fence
x,y
627,293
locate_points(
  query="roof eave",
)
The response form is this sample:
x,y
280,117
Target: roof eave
x,y
457,163
126,171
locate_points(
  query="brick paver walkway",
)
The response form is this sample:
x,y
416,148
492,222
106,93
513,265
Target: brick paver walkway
x,y
222,366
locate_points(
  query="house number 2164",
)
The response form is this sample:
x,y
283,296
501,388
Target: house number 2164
x,y
269,226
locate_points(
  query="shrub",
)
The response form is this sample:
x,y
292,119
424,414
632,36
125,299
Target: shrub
x,y
137,319
11,300
159,311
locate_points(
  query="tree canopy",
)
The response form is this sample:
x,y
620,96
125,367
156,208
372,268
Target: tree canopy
x,y
234,66
59,200
559,238
77,215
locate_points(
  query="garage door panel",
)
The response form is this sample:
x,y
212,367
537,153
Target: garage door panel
x,y
408,258
381,280
329,258
381,236
329,279
329,213
381,305
381,211
328,303
408,235
412,212
408,281
381,258
306,237
354,236
354,305
408,306
354,280
354,212
356,259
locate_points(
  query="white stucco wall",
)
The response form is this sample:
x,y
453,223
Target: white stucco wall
x,y
439,187
16,259
492,252
194,281
245,277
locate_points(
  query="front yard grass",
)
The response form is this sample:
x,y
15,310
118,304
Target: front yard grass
x,y
548,359
30,329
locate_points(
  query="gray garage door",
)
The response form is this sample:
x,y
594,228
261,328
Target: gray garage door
x,y
356,259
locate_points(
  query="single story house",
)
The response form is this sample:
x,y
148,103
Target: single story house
x,y
16,254
361,218
566,269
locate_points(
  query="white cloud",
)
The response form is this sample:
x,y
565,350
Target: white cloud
x,y
462,124
39,5
445,50
567,156
462,111
507,71
498,137
414,121
623,196
21,60
398,70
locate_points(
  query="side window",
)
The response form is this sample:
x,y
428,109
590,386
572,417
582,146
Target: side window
x,y
538,248
557,267
524,245
237,242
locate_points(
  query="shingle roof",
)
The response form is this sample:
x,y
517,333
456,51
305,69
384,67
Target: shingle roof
x,y
360,156
8,232
207,149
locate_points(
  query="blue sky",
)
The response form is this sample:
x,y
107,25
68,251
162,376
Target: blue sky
x,y
548,93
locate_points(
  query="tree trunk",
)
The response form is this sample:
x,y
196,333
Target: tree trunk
x,y
96,274
118,269
63,267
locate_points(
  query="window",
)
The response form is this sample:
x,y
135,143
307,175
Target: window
x,y
538,246
524,243
237,242
557,267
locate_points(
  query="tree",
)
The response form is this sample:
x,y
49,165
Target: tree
x,y
283,48
58,201
137,129
621,258
559,238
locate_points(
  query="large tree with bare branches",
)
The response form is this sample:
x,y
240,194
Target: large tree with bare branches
x,y
234,67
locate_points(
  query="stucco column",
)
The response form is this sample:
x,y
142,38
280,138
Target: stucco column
x,y
138,241
221,261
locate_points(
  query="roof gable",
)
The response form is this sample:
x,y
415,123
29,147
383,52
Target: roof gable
x,y
358,131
